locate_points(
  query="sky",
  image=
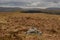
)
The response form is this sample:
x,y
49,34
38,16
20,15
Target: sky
x,y
30,3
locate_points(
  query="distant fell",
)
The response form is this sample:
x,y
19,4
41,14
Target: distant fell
x,y
53,8
9,9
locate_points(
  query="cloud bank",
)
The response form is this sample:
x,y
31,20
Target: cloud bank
x,y
31,3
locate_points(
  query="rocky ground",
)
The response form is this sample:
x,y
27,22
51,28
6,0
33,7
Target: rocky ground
x,y
13,26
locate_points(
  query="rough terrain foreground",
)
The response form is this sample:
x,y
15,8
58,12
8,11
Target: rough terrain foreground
x,y
13,26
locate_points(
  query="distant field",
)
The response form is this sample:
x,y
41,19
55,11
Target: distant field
x,y
13,26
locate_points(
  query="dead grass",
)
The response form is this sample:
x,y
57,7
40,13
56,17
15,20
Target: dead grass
x,y
13,26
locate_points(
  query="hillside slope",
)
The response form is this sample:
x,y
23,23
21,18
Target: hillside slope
x,y
14,25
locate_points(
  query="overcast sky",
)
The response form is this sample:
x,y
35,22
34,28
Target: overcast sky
x,y
31,3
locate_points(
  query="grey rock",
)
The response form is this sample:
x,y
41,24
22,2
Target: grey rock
x,y
33,30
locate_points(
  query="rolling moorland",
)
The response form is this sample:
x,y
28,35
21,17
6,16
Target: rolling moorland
x,y
51,10
13,26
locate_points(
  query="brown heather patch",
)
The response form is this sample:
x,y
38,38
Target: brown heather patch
x,y
13,26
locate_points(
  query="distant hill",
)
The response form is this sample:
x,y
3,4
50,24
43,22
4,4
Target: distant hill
x,y
53,8
9,9
31,10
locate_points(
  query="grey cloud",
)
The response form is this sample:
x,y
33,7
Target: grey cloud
x,y
31,3
29,0
51,0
